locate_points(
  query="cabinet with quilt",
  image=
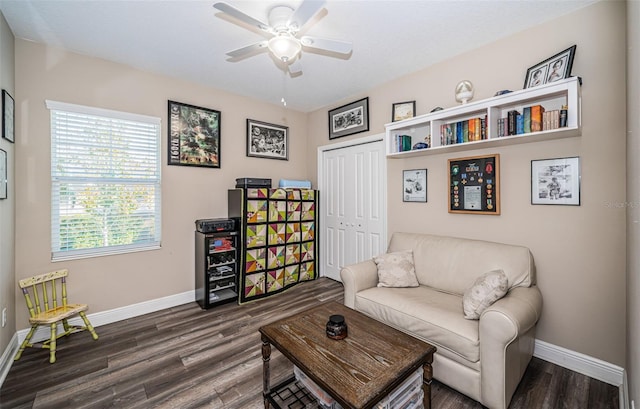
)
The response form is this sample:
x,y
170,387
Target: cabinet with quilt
x,y
278,238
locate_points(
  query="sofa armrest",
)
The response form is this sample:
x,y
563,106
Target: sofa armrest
x,y
358,277
507,335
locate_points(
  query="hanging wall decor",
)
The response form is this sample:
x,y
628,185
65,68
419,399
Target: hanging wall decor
x,y
349,119
8,116
555,181
194,136
474,185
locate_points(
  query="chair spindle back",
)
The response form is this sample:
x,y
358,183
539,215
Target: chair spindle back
x,y
46,287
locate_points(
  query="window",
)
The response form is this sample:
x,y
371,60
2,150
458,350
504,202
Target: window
x,y
105,182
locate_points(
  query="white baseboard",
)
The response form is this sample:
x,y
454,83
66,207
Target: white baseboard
x,y
97,319
7,357
586,365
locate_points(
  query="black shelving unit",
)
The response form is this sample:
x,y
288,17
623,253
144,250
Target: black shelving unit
x,y
216,268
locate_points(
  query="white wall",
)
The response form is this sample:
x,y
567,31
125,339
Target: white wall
x,y
633,200
7,206
579,251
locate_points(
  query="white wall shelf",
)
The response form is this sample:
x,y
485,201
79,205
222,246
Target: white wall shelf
x,y
551,96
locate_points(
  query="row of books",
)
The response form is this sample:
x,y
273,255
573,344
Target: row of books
x,y
532,119
403,143
474,129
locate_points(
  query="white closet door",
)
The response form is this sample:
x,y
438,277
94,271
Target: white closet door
x,y
352,206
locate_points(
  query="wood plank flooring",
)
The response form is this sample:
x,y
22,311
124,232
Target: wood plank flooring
x,y
185,357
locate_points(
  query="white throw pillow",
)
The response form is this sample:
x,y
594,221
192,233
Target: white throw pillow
x,y
486,290
396,269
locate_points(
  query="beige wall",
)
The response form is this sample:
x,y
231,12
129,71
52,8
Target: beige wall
x,y
633,200
579,251
188,193
7,219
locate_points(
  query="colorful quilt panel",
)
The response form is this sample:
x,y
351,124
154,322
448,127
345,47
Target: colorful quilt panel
x,y
294,210
257,211
279,194
275,280
256,235
254,285
292,255
291,274
276,234
307,251
255,260
277,210
308,231
307,271
293,233
275,257
308,211
257,193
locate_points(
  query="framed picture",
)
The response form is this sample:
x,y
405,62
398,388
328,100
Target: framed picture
x,y
552,69
3,174
555,181
267,140
414,185
349,119
8,116
403,110
194,136
474,185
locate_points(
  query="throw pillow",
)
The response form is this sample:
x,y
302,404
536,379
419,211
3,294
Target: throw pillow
x,y
396,269
486,290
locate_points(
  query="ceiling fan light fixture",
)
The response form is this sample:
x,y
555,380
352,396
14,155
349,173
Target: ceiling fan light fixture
x,y
285,47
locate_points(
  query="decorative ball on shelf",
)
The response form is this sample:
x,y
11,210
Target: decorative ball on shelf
x,y
464,91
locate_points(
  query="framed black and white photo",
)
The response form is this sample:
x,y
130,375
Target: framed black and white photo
x,y
3,174
403,110
194,136
552,69
414,185
555,181
8,116
266,140
349,119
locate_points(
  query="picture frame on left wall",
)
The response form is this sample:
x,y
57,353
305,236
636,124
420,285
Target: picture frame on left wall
x,y
8,116
194,135
3,174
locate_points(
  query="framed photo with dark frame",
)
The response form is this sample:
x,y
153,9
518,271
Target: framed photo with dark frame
x,y
403,110
266,140
8,116
552,69
349,119
3,174
555,181
194,136
474,185
414,185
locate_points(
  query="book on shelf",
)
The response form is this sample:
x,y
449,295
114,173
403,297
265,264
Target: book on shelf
x,y
511,116
403,143
536,118
519,124
526,113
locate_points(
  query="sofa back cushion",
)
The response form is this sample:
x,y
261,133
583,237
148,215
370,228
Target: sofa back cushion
x,y
453,264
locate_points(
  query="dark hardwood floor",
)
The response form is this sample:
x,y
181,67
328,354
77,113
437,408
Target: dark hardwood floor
x,y
185,357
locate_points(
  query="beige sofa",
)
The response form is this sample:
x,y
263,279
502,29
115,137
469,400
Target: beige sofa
x,y
483,358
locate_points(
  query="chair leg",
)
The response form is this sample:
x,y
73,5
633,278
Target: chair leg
x,y
25,343
52,343
88,325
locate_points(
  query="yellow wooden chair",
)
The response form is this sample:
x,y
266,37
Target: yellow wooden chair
x,y
46,296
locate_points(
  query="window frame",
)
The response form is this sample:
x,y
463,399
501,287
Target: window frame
x,y
154,242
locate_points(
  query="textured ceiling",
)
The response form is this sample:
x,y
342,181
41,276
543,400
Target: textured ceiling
x,y
188,39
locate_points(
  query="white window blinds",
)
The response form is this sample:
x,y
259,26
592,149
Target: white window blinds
x,y
105,181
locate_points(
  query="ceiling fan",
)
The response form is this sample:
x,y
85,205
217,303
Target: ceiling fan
x,y
284,39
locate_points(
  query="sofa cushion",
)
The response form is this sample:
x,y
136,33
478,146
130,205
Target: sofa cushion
x,y
452,264
396,269
486,290
431,315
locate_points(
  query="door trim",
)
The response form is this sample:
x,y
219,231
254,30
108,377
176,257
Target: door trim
x,y
321,187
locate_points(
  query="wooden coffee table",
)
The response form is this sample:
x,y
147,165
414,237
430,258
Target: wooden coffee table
x,y
357,371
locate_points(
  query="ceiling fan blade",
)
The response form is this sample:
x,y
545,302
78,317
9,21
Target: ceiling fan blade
x,y
303,13
334,46
232,11
248,51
